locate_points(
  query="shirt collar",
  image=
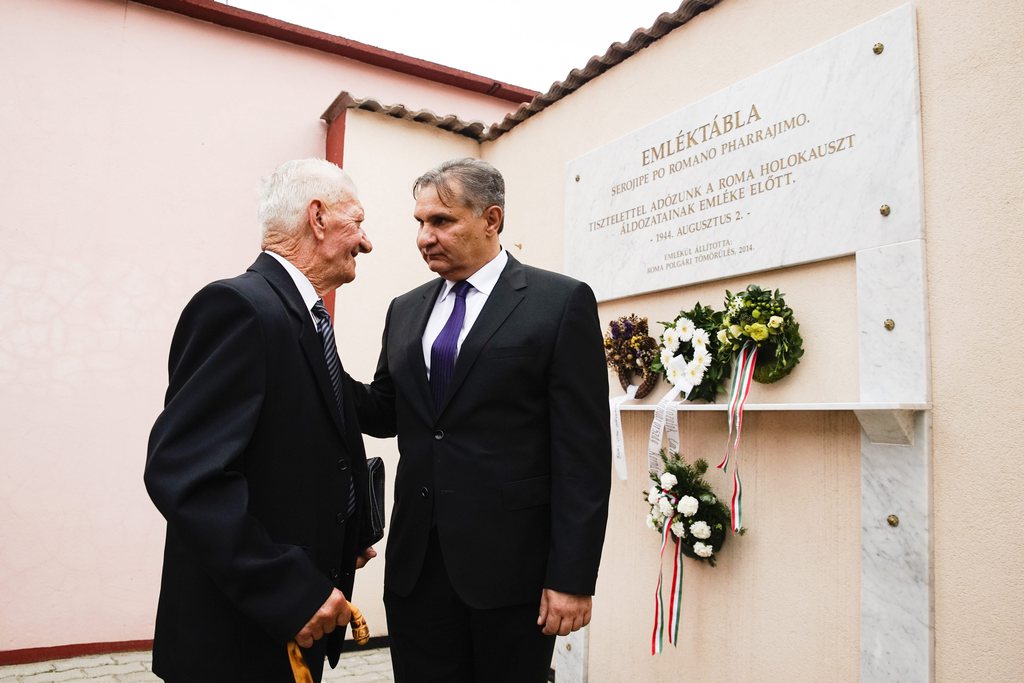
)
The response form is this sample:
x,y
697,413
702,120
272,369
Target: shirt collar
x,y
302,283
484,279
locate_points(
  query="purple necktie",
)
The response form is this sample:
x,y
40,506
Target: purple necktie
x,y
446,346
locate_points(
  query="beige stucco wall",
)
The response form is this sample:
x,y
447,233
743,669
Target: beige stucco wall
x,y
784,600
133,141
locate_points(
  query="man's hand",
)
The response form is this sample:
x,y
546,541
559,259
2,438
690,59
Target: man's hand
x,y
563,613
365,557
333,613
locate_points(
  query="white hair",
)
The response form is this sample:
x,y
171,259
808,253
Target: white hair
x,y
288,191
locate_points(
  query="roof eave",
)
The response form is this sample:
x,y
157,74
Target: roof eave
x,y
259,24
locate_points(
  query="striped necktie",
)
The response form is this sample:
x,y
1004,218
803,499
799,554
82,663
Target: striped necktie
x,y
326,330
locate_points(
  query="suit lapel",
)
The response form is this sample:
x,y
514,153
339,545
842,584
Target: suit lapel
x,y
309,339
417,324
508,292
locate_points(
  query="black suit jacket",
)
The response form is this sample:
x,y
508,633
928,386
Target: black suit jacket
x,y
514,467
250,462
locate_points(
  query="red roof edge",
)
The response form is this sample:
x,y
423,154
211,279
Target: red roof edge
x,y
259,24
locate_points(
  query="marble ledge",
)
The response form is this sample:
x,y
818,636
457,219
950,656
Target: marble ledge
x,y
883,423
683,406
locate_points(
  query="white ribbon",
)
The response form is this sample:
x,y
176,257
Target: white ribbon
x,y
666,424
618,441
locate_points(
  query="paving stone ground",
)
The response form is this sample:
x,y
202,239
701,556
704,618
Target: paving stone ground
x,y
357,666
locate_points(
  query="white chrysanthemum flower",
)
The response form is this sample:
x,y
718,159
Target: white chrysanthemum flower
x,y
700,339
666,357
670,340
703,550
775,321
723,337
694,373
656,513
679,529
701,358
649,522
653,495
668,480
700,530
688,506
675,370
666,507
684,326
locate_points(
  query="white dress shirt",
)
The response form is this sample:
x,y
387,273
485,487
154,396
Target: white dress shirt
x,y
302,283
482,283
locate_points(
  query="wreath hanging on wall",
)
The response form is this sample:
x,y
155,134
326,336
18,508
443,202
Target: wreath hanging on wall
x,y
690,353
759,318
629,350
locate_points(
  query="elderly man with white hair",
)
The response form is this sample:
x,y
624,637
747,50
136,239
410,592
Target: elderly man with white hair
x,y
256,461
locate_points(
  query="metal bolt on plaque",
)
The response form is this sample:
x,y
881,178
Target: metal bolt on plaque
x,y
889,324
877,49
893,520
885,210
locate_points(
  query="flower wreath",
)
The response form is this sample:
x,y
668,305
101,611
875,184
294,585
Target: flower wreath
x,y
690,350
684,510
758,327
629,348
681,498
762,318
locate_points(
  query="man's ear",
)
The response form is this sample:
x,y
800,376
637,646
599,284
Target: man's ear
x,y
315,216
493,216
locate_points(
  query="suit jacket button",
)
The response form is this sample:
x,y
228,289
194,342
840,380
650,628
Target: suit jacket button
x,y
439,434
424,492
340,518
342,465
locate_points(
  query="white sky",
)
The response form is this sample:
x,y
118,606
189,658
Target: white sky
x,y
530,43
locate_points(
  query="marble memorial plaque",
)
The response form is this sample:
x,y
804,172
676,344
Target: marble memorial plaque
x,y
791,165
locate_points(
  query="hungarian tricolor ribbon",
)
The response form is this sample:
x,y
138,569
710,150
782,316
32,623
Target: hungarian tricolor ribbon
x,y
741,382
675,596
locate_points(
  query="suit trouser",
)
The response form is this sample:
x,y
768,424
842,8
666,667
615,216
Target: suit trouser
x,y
436,637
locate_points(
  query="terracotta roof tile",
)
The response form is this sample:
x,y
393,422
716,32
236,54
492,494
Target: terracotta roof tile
x,y
344,100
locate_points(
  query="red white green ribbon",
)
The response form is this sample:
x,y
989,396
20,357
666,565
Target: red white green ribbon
x,y
675,596
675,607
741,382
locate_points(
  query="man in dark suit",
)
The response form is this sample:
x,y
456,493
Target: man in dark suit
x,y
498,391
256,459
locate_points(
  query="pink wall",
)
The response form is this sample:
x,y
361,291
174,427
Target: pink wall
x,y
133,141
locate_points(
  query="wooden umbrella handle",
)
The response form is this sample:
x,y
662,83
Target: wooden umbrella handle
x,y
360,634
299,669
360,631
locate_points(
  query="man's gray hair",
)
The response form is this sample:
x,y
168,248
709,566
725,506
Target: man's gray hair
x,y
468,182
288,191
